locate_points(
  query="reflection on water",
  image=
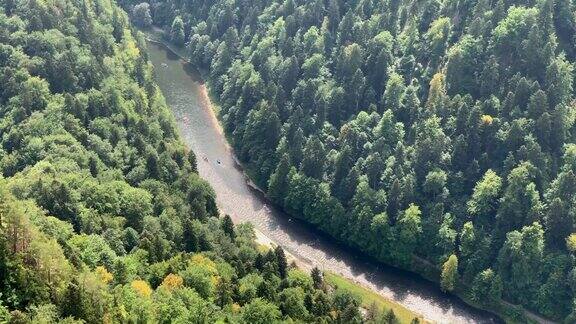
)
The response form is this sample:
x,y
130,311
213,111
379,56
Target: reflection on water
x,y
199,129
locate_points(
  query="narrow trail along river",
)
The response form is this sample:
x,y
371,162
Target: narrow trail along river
x,y
188,99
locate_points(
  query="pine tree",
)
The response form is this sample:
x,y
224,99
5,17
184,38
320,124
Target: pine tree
x,y
228,226
281,261
317,278
177,31
141,15
449,275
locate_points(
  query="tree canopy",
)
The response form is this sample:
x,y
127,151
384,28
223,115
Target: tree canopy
x,y
103,216
408,130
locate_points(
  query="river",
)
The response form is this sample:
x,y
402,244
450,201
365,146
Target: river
x,y
199,128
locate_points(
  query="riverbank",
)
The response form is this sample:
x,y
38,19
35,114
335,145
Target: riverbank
x,y
154,35
509,313
307,244
367,296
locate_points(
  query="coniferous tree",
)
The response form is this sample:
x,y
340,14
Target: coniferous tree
x,y
449,273
228,226
281,262
317,278
141,14
177,31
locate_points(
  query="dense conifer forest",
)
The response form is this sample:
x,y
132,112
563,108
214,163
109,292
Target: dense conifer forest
x,y
103,217
434,135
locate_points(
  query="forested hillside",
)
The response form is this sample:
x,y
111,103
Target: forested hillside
x,y
428,134
103,217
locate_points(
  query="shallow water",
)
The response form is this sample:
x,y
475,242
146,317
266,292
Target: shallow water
x,y
187,97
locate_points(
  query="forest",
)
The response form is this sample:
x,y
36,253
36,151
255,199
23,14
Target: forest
x,y
437,135
103,216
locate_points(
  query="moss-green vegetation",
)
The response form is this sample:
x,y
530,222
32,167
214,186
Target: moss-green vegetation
x,y
369,298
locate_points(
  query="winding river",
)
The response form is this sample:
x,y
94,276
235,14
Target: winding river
x,y
199,128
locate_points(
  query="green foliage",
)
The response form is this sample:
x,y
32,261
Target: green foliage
x,y
281,262
409,228
484,199
346,305
103,217
449,277
351,113
520,260
462,109
260,311
487,287
228,226
141,15
177,31
292,303
317,278
4,314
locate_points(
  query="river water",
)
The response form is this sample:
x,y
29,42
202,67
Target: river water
x,y
199,128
